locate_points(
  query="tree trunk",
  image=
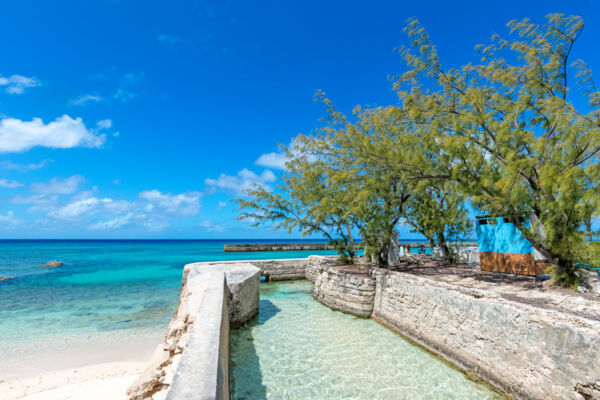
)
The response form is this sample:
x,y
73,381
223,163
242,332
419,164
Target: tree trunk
x,y
431,243
444,247
588,229
565,269
351,240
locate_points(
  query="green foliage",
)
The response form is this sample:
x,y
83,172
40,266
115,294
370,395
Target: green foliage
x,y
437,210
305,202
515,142
502,135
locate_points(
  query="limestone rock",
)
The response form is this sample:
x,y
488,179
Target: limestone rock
x,y
315,266
529,352
346,289
243,281
51,264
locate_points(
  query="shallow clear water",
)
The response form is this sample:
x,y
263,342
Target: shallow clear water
x,y
105,292
300,349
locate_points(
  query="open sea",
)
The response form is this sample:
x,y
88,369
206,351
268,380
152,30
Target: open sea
x,y
110,295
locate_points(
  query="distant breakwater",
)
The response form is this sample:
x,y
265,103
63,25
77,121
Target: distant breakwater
x,y
232,248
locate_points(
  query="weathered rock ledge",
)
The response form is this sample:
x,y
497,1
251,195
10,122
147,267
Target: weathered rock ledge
x,y
280,269
350,290
315,265
243,280
526,351
193,361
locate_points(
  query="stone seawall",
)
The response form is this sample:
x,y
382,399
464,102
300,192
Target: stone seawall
x,y
282,270
276,247
314,267
193,360
526,351
349,289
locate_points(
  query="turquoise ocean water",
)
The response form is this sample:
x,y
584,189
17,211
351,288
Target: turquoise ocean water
x,y
105,289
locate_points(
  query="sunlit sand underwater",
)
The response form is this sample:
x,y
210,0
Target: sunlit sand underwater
x,y
300,349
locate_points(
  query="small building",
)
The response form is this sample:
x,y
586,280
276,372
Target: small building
x,y
503,248
415,248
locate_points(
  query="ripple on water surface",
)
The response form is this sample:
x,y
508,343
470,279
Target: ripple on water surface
x,y
300,349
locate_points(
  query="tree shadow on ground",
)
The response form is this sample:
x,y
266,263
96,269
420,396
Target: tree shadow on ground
x,y
428,266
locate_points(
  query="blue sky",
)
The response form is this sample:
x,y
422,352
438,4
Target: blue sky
x,y
135,119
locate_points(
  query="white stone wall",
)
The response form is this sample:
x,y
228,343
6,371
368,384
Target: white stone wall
x,y
243,281
349,292
193,360
315,266
528,352
282,270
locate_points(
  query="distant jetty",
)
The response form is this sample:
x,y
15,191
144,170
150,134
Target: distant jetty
x,y
238,248
233,248
52,264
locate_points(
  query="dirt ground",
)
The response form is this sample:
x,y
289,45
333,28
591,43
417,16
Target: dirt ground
x,y
514,288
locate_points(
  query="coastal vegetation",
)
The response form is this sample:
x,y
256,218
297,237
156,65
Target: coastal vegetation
x,y
508,135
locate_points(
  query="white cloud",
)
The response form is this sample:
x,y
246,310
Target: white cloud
x,y
129,87
104,124
16,84
8,219
113,223
85,99
245,179
184,204
210,227
125,95
276,159
272,160
152,210
58,186
35,199
222,204
9,184
77,208
86,204
63,133
8,165
37,202
168,39
152,222
116,206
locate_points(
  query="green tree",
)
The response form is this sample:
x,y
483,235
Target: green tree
x,y
373,196
438,210
513,140
307,207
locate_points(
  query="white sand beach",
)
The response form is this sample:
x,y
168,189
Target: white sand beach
x,y
99,366
97,381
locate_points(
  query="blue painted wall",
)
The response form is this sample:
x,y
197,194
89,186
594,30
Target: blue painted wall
x,y
417,250
502,237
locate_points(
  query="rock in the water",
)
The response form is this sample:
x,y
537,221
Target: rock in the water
x,y
3,278
51,264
